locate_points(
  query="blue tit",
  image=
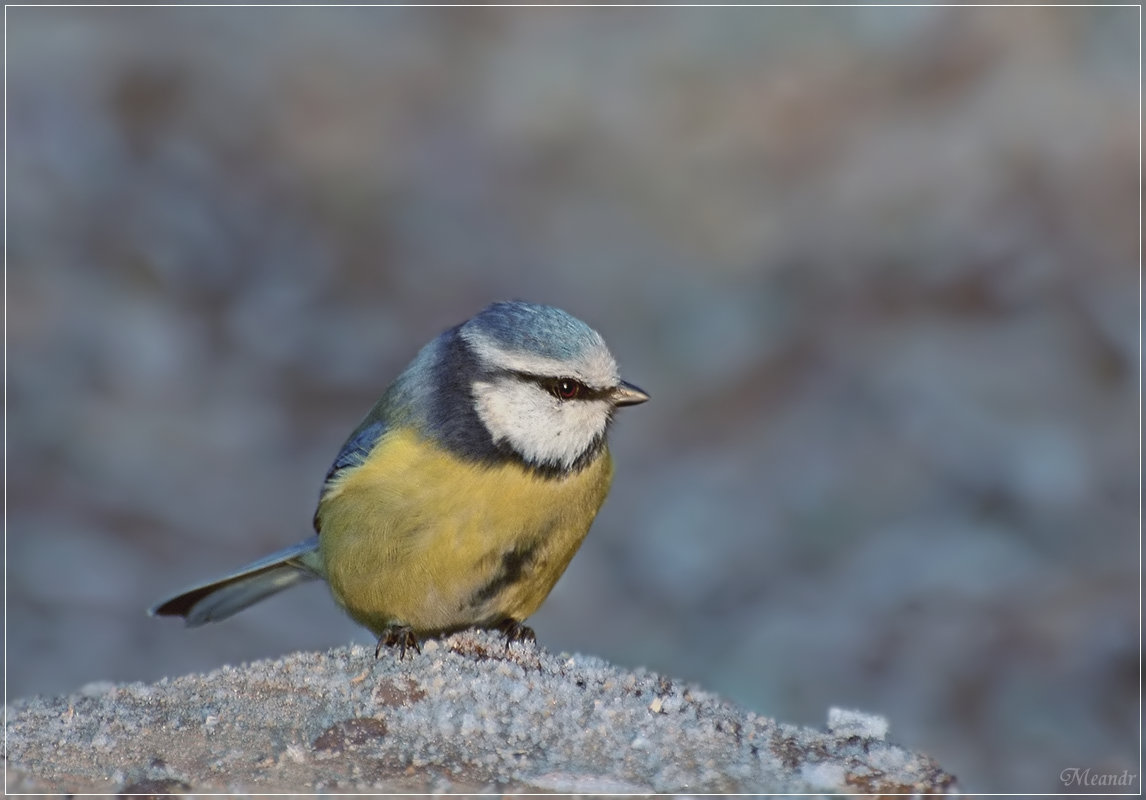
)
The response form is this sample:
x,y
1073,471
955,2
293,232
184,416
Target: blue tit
x,y
462,496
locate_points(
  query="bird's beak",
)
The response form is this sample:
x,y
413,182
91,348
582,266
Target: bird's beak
x,y
627,395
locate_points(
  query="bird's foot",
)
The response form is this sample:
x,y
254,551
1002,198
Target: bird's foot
x,y
514,631
400,636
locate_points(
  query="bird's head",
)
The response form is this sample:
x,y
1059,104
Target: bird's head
x,y
541,383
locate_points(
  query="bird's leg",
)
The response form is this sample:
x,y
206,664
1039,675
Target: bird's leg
x,y
515,632
400,636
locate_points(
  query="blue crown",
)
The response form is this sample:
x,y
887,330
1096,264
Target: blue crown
x,y
543,330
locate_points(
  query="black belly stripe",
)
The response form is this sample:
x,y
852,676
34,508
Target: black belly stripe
x,y
514,564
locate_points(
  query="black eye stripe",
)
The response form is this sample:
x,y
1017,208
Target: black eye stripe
x,y
555,388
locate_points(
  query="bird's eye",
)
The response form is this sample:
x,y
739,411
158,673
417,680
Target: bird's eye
x,y
565,388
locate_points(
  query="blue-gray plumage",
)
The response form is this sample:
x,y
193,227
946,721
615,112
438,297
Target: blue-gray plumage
x,y
247,585
466,490
540,330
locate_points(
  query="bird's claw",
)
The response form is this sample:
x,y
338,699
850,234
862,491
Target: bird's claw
x,y
514,631
400,636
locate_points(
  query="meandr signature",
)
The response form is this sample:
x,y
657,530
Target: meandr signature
x,y
1077,776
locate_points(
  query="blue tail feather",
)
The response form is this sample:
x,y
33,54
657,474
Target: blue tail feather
x,y
245,586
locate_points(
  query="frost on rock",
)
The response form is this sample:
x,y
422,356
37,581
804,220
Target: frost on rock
x,y
844,722
464,715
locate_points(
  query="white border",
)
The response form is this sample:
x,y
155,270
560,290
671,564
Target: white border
x,y
579,5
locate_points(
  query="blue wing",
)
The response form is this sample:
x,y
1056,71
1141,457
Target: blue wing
x,y
352,454
357,447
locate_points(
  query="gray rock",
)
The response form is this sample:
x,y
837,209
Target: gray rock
x,y
465,714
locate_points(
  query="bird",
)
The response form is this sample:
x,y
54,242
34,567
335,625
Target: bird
x,y
464,493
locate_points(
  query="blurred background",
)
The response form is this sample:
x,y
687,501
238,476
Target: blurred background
x,y
876,266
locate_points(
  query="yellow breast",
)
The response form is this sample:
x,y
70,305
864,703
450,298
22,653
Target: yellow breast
x,y
416,536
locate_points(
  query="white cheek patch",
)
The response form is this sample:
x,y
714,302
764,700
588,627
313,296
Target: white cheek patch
x,y
538,426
